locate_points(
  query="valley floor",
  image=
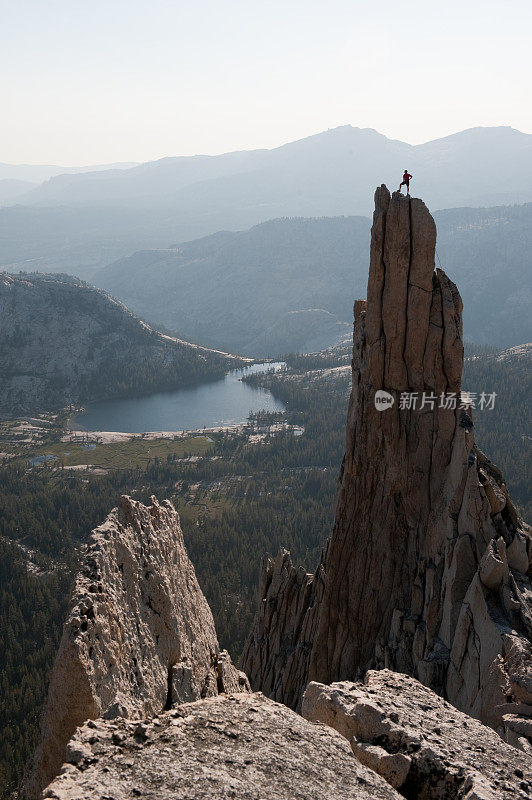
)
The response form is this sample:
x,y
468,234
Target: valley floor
x,y
241,492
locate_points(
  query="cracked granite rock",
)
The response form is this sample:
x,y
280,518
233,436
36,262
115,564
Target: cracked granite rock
x,y
139,635
238,746
418,742
428,568
276,654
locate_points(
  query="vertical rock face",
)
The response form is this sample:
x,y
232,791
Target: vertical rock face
x,y
139,635
427,570
277,652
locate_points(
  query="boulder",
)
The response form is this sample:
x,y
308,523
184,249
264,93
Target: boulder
x,y
419,742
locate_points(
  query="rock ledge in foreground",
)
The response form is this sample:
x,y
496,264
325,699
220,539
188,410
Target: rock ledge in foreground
x,y
239,746
418,742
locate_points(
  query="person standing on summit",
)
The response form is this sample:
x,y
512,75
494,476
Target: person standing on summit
x,y
406,181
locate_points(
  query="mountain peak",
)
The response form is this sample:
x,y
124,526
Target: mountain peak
x,y
428,560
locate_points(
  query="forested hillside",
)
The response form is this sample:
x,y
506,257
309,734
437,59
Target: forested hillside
x,y
65,342
504,434
244,287
236,289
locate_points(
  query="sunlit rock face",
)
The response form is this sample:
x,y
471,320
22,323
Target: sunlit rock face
x,y
427,571
240,746
139,635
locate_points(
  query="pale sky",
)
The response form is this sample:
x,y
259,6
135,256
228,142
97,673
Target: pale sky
x,y
96,81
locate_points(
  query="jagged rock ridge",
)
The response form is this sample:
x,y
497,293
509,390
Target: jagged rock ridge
x,y
392,738
139,635
427,571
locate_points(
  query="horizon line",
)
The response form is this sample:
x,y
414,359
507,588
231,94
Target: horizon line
x,y
132,163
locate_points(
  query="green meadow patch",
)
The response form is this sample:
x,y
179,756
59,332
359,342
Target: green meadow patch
x,y
121,455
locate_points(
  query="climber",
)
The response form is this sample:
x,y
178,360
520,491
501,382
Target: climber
x,y
406,181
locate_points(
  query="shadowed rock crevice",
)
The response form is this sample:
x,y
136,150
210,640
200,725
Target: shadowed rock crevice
x,y
169,693
428,567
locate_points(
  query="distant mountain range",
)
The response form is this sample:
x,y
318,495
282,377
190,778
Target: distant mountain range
x,y
37,173
79,222
241,290
16,180
66,342
11,188
331,173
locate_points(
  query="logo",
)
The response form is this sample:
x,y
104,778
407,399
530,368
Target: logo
x,y
383,400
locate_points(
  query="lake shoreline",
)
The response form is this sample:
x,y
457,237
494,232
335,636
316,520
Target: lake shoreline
x,y
110,437
214,406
